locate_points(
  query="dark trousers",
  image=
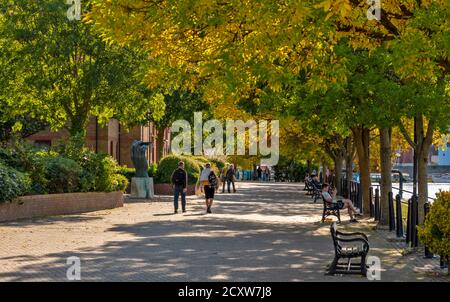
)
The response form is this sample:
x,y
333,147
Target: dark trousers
x,y
228,185
176,192
223,185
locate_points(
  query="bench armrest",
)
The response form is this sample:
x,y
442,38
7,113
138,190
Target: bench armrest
x,y
353,234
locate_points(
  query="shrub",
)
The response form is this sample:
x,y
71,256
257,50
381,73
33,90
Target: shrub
x,y
129,173
435,233
100,173
12,183
63,175
118,183
220,164
169,163
24,158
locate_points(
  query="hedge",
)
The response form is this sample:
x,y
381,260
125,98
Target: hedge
x,y
63,175
169,163
435,233
129,173
12,183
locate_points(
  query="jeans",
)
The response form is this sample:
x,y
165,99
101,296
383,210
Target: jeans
x,y
228,185
176,192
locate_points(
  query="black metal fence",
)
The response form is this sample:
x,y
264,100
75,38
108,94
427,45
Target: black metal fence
x,y
352,190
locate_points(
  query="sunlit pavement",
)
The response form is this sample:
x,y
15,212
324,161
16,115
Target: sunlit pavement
x,y
264,232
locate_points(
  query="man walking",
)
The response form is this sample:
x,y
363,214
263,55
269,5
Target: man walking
x,y
223,177
230,178
179,182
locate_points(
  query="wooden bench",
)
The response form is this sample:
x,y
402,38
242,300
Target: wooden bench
x,y
348,246
330,209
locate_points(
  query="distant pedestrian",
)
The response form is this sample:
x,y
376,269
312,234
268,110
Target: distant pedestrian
x,y
179,181
223,177
259,171
230,178
208,183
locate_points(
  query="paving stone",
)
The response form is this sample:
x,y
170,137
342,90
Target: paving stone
x,y
264,232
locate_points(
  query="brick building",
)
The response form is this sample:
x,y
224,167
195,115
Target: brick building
x,y
111,139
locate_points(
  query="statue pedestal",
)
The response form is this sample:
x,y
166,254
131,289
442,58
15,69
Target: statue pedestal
x,y
142,187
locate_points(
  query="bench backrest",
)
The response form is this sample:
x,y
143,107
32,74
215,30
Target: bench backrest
x,y
334,236
326,203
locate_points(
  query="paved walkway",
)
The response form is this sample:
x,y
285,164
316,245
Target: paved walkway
x,y
265,232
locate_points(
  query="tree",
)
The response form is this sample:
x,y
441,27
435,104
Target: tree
x,y
178,105
232,47
62,72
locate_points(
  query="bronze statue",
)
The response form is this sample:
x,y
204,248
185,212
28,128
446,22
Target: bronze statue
x,y
138,150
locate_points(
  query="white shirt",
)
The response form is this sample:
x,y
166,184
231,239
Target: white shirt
x,y
327,197
205,174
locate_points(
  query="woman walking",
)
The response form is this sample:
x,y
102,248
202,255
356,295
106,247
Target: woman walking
x,y
208,183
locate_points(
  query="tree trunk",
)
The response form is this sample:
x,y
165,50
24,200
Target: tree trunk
x,y
160,144
421,148
386,168
349,162
424,144
422,181
338,164
308,164
323,176
361,136
77,126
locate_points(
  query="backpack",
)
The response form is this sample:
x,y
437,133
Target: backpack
x,y
212,179
179,177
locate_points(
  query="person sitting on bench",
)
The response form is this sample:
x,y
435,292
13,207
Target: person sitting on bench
x,y
340,203
315,181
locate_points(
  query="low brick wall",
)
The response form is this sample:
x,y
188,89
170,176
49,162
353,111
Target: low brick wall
x,y
59,204
167,189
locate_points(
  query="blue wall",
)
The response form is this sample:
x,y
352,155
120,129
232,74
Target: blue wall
x,y
444,156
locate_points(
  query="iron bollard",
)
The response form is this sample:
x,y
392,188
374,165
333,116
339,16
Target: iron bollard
x,y
426,209
377,204
414,221
399,218
352,191
372,214
408,222
443,260
391,212
359,198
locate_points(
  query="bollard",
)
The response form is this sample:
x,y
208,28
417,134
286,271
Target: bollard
x,y
352,192
426,209
391,212
377,204
372,214
414,221
359,198
399,218
443,261
408,222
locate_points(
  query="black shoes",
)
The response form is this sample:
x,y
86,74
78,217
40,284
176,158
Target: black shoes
x,y
208,210
175,212
184,210
353,220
